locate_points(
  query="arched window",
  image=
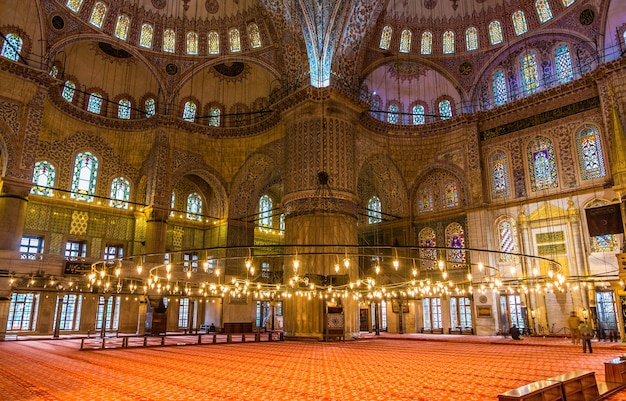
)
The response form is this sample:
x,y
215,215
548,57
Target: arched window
x,y
74,5
568,3
282,223
84,177
265,212
194,207
448,42
121,28
425,199
43,178
500,92
95,103
123,109
172,203
145,37
450,195
445,109
214,117
499,169
374,210
427,43
235,40
563,64
455,238
54,71
418,114
189,111
507,239
120,193
529,72
624,37
11,47
213,42
169,41
255,35
542,164
519,22
150,106
376,106
192,42
392,113
385,38
98,13
405,41
495,33
602,243
471,39
427,239
590,155
543,10
68,91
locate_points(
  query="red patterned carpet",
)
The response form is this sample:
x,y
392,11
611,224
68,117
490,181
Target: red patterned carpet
x,y
459,368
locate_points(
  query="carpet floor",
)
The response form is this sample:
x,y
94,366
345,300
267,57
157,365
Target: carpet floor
x,y
418,367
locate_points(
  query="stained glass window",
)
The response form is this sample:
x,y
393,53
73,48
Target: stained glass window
x,y
448,42
120,193
68,90
150,107
265,212
495,33
428,239
542,164
543,10
563,63
12,47
529,72
445,109
499,175
427,43
121,28
405,41
95,103
22,312
568,3
392,115
471,39
507,232
624,37
123,109
214,117
425,199
145,37
455,238
74,5
192,43
194,207
418,114
385,38
500,92
602,243
281,222
234,40
450,196
519,22
84,177
374,210
98,13
214,42
255,35
590,155
172,204
54,71
189,111
43,178
169,41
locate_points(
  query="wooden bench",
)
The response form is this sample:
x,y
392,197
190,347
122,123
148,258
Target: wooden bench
x,y
578,385
543,390
461,330
432,331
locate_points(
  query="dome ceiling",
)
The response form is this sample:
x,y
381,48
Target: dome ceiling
x,y
441,9
196,9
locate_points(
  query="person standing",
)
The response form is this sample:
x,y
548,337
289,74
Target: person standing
x,y
586,333
572,322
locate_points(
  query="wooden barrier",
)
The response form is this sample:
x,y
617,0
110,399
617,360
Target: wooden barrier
x,y
578,385
541,390
432,331
615,371
461,330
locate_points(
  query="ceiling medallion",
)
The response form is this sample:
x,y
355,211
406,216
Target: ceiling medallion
x,y
430,4
212,6
406,70
587,16
171,69
466,68
58,22
159,4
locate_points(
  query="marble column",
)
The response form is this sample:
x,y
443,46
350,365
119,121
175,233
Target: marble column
x,y
13,203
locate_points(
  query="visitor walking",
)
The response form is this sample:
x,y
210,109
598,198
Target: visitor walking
x,y
572,322
586,333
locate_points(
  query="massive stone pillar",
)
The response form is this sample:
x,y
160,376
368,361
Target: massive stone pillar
x,y
13,203
320,204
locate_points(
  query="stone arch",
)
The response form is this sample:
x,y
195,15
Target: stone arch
x,y
7,152
387,182
205,178
440,173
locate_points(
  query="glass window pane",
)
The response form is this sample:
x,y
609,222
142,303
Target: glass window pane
x,y
519,22
255,35
234,40
448,42
214,42
405,41
385,38
169,41
121,28
427,43
192,43
145,37
12,47
495,33
471,39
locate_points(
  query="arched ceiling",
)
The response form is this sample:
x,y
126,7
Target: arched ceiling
x,y
437,10
194,9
